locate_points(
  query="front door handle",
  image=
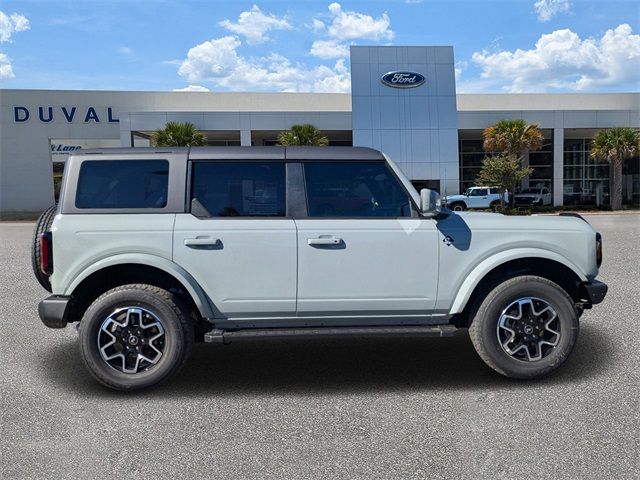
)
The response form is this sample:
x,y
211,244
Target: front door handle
x,y
324,240
203,242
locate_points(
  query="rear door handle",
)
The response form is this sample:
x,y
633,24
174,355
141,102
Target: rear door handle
x,y
203,242
324,240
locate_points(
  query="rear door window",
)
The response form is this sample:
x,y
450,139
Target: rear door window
x,y
123,184
239,189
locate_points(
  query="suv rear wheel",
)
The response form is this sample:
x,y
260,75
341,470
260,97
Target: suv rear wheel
x,y
526,327
135,336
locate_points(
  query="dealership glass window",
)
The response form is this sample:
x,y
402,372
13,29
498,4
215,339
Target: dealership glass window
x,y
472,154
542,163
354,189
240,189
631,182
123,184
586,180
58,172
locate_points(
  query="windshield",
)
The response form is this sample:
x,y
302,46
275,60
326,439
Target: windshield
x,y
531,190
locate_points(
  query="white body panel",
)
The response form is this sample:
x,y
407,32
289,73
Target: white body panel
x,y
84,239
483,241
380,265
252,270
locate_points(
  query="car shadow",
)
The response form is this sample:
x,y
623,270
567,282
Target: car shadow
x,y
336,366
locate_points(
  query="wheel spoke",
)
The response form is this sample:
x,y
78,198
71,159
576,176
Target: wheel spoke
x,y
528,329
131,339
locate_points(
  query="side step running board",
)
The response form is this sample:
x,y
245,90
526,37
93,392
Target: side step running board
x,y
228,336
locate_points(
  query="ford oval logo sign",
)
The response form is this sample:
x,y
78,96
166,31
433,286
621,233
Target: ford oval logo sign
x,y
402,79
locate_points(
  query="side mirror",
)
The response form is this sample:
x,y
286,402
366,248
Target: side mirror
x,y
430,203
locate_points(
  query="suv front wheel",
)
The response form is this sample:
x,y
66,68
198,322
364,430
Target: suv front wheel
x,y
526,327
135,336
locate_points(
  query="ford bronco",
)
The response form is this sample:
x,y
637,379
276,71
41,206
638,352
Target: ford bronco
x,y
153,249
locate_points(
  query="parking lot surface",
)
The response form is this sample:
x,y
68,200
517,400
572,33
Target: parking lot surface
x,y
340,408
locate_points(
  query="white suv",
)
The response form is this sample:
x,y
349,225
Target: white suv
x,y
475,198
151,250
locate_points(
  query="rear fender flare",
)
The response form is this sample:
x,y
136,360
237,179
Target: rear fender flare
x,y
202,301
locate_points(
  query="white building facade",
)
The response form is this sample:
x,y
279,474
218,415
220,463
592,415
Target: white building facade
x,y
403,102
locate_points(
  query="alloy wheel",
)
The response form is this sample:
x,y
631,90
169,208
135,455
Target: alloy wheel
x,y
528,329
131,339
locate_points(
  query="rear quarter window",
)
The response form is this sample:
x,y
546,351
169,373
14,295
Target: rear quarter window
x,y
123,184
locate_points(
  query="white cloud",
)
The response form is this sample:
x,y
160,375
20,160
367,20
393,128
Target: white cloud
x,y
547,9
10,24
460,67
217,61
211,59
6,70
562,61
254,25
317,25
346,25
192,88
329,49
126,51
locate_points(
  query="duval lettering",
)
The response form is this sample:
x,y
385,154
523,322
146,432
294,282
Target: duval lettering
x,y
47,114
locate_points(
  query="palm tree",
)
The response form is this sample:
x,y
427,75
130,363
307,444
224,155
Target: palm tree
x,y
615,145
515,139
305,135
176,134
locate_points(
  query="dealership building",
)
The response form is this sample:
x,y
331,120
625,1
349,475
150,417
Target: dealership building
x,y
414,115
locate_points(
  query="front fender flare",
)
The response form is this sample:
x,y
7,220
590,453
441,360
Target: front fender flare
x,y
199,297
488,264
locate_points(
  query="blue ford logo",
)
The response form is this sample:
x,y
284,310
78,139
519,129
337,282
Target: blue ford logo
x,y
402,79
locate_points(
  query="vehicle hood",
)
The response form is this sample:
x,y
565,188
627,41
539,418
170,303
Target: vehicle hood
x,y
535,223
451,198
527,195
489,234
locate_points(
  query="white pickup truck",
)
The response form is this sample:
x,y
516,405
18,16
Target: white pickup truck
x,y
533,196
153,249
475,198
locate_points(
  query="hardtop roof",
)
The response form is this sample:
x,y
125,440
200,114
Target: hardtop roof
x,y
246,153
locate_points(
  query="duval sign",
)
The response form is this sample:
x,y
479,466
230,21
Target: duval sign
x,y
68,114
402,79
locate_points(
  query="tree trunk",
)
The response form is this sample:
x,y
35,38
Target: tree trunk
x,y
616,191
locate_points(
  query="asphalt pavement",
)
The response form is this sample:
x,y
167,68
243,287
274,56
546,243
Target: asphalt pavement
x,y
339,408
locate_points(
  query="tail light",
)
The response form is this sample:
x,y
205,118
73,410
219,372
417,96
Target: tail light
x,y
598,249
46,253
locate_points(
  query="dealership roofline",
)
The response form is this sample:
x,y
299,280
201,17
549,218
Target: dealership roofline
x,y
341,102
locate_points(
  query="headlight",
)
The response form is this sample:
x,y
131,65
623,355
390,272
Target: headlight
x,y
598,249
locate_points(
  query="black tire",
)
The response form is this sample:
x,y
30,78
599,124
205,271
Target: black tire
x,y
42,225
496,206
483,329
169,310
458,206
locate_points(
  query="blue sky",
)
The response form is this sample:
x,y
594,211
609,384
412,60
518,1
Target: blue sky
x,y
500,46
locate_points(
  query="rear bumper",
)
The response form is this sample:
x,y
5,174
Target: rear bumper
x,y
596,291
53,311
